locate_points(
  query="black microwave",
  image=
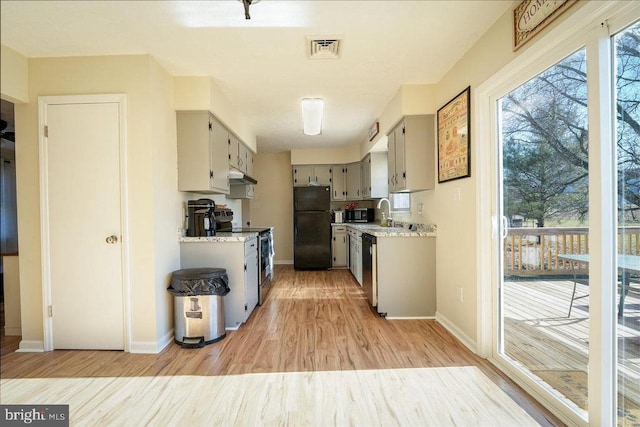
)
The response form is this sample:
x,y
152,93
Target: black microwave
x,y
359,215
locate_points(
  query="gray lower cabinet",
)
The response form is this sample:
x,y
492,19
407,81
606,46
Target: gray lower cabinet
x,y
406,273
339,249
240,259
355,254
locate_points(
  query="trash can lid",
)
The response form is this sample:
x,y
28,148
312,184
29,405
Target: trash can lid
x,y
198,273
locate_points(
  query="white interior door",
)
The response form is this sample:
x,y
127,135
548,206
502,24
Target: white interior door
x,y
84,223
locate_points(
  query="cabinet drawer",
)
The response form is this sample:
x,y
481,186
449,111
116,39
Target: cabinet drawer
x,y
251,245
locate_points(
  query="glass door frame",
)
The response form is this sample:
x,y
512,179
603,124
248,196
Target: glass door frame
x,y
590,26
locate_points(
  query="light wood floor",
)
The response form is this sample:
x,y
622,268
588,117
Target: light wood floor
x,y
314,332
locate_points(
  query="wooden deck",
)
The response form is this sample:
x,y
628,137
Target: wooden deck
x,y
554,347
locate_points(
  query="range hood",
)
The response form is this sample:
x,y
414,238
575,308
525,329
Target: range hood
x,y
239,178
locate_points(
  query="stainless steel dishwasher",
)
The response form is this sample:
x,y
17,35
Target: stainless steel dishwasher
x,y
369,268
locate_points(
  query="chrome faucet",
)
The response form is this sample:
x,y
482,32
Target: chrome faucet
x,y
385,221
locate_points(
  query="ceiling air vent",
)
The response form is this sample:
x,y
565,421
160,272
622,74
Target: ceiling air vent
x,y
323,47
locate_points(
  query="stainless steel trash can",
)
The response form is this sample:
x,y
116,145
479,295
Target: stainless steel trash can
x,y
199,320
199,305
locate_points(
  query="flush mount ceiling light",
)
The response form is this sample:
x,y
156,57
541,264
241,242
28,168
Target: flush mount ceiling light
x,y
246,4
312,115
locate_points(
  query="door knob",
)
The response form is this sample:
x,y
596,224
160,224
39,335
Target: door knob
x,y
112,239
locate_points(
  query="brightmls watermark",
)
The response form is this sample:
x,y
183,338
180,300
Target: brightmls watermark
x,y
34,415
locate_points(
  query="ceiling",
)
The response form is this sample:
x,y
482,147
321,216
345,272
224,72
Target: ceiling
x,y
261,64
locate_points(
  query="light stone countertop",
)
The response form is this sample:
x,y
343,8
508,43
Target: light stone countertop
x,y
221,237
380,231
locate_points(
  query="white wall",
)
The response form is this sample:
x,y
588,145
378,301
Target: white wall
x,y
326,156
409,100
457,219
151,182
273,201
167,201
11,283
202,93
14,69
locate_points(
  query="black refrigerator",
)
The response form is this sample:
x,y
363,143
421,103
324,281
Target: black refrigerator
x,y
311,228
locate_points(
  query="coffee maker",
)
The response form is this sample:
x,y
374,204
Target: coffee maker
x,y
201,220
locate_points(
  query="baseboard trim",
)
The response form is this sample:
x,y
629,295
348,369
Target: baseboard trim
x,y
28,346
409,318
283,262
456,332
150,347
166,340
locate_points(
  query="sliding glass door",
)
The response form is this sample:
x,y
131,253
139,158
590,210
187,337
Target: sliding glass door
x,y
626,52
544,310
566,174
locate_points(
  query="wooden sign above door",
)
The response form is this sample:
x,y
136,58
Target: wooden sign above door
x,y
531,16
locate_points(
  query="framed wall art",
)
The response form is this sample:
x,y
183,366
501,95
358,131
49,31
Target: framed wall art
x,y
454,142
374,130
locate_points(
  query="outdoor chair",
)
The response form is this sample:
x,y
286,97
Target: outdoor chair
x,y
573,295
633,279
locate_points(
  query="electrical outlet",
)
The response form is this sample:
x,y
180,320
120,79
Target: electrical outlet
x,y
459,294
456,194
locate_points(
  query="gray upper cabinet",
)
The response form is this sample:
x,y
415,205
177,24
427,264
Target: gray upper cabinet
x,y
411,155
322,174
304,175
235,152
354,178
354,181
374,176
339,183
202,146
240,156
249,162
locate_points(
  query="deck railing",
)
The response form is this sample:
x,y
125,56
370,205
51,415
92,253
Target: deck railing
x,y
534,251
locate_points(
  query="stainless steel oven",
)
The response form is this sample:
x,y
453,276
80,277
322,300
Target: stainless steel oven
x,y
370,268
265,259
265,255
